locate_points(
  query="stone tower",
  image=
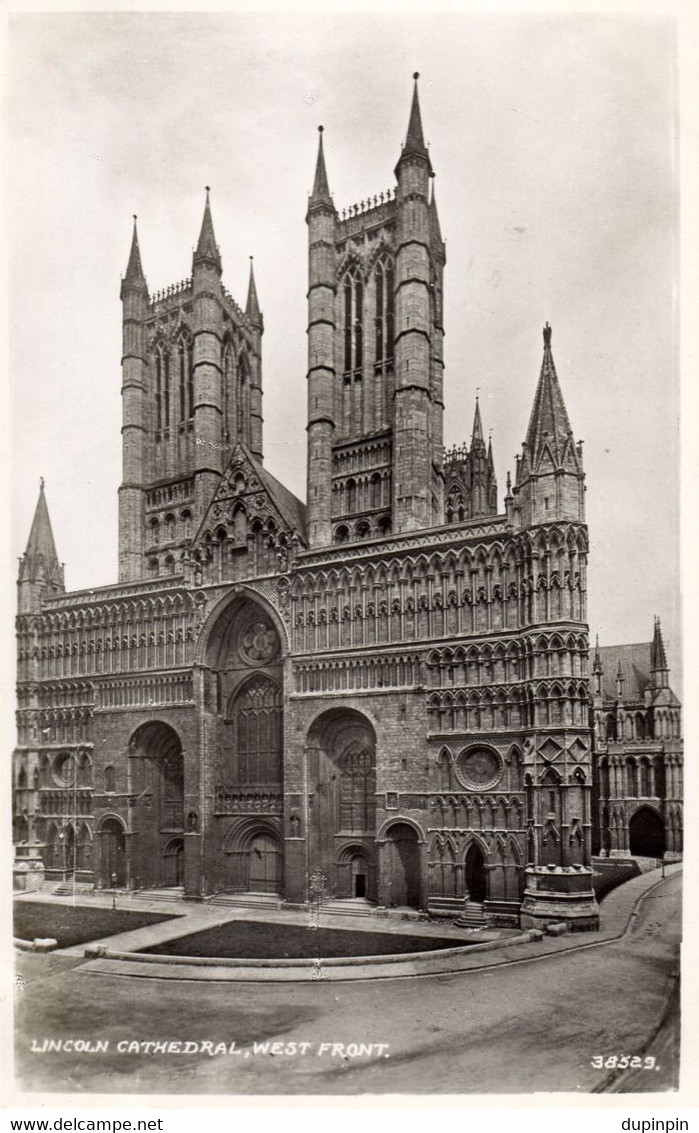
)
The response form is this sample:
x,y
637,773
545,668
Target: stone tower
x,y
191,390
375,355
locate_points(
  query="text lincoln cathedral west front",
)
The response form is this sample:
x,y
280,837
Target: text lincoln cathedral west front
x,y
386,694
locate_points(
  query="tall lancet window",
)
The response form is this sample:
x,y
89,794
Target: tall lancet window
x,y
228,388
158,392
182,369
243,400
353,341
190,379
166,390
384,310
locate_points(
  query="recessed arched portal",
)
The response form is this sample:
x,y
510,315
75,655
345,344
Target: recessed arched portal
x,y
474,874
156,778
403,865
112,854
172,865
253,850
647,833
341,774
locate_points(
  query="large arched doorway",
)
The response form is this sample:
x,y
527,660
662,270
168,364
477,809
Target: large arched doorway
x,y
112,854
403,865
156,778
244,719
646,833
474,874
341,771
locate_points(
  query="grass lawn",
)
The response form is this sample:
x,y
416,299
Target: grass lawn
x,y
76,924
254,940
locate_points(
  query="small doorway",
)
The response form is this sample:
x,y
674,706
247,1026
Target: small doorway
x,y
475,875
403,856
113,854
173,863
360,876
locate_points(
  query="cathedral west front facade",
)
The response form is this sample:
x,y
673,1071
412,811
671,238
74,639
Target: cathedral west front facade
x,y
382,693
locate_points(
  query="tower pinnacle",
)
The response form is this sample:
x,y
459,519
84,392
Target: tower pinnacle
x,y
252,306
477,434
549,423
207,248
134,277
321,189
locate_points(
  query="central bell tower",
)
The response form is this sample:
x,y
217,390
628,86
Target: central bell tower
x,y
375,358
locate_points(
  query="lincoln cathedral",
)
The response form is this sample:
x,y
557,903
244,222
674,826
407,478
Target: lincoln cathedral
x,y
384,694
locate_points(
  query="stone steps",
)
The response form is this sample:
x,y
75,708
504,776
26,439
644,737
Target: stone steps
x,y
348,907
173,893
472,916
247,900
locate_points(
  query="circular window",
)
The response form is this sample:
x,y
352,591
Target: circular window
x,y
258,642
65,769
479,768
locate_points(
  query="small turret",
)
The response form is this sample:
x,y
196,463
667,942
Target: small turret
x,y
40,573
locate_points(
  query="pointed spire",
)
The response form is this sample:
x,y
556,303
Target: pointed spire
x,y
321,189
40,559
207,248
134,269
414,139
491,462
658,660
435,228
549,422
252,307
477,434
597,661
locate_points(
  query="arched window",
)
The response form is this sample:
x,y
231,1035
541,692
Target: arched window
x,y
109,780
363,531
375,487
186,519
166,390
182,367
631,785
190,379
257,719
243,400
357,792
384,310
229,380
158,391
351,493
342,534
353,317
645,778
153,568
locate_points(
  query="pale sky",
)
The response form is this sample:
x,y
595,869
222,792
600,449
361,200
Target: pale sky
x,y
553,140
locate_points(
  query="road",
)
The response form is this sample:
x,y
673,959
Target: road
x,y
520,1028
